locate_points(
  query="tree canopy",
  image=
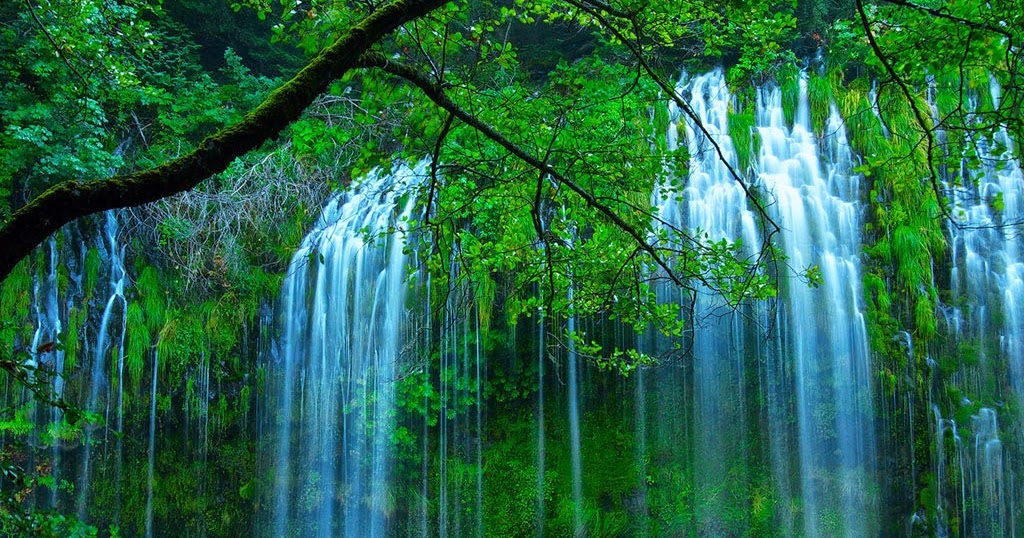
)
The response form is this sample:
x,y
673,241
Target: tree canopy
x,y
528,108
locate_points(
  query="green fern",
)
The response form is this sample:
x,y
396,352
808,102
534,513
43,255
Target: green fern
x,y
138,343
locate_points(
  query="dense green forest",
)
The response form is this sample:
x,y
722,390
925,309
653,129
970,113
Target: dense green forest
x,y
511,268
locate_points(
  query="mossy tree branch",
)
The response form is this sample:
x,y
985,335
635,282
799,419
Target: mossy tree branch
x,y
30,225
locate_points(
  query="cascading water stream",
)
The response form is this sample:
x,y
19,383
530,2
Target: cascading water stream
x,y
813,376
460,417
425,431
45,353
541,357
987,286
713,207
478,442
823,331
343,321
575,456
116,305
781,419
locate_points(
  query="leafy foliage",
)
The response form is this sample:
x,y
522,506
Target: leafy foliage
x,y
93,88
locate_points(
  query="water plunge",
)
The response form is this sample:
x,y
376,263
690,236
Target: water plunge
x,y
806,361
334,370
770,423
343,316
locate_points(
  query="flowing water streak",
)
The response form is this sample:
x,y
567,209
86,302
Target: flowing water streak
x,y
104,342
48,329
448,369
541,351
821,353
425,432
478,398
713,208
987,276
460,420
576,458
987,476
816,204
640,418
344,322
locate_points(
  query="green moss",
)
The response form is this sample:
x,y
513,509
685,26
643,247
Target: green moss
x,y
924,317
661,121
16,292
15,302
865,130
153,298
137,343
93,264
744,139
71,335
790,85
820,95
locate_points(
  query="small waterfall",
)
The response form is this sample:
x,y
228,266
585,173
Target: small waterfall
x,y
448,375
822,330
541,357
714,208
460,420
575,457
45,354
640,455
110,339
813,388
425,431
479,428
344,322
987,287
943,428
988,478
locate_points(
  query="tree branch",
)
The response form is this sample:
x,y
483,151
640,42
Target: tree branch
x,y
32,224
439,97
57,49
943,13
919,116
768,225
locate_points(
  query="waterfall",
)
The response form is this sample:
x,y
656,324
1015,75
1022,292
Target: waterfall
x,y
763,417
109,339
460,420
43,353
713,207
812,370
822,330
343,325
985,317
575,458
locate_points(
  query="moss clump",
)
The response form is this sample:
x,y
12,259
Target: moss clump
x,y
742,130
821,93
